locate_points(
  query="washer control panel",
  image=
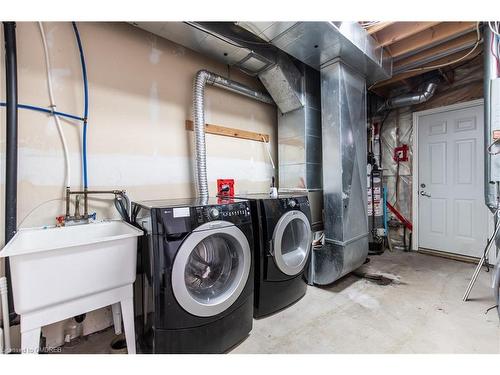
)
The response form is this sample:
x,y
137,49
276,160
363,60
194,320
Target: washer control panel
x,y
233,212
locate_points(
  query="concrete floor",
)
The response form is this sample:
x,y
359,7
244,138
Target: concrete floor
x,y
420,312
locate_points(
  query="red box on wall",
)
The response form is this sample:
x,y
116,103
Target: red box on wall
x,y
225,187
401,153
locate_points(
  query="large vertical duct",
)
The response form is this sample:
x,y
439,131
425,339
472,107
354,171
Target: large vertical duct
x,y
346,57
491,83
343,102
299,144
491,125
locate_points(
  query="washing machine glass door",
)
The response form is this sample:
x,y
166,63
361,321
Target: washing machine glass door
x,y
292,242
211,268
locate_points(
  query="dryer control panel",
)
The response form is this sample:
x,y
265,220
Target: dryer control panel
x,y
294,202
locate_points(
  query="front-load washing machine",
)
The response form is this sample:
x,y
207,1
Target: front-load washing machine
x,y
282,232
194,288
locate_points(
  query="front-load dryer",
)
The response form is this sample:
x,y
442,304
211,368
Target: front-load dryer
x,y
194,288
283,236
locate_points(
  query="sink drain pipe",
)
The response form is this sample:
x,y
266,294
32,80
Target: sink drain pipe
x,y
203,78
5,314
9,31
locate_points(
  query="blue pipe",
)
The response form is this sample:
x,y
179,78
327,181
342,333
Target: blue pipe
x,y
85,104
45,110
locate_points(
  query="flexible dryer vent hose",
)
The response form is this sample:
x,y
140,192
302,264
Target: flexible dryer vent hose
x,y
204,77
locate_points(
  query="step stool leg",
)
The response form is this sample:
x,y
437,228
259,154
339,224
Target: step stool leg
x,y
30,341
117,318
128,323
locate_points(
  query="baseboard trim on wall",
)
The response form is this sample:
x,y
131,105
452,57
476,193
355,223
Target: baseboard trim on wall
x,y
443,254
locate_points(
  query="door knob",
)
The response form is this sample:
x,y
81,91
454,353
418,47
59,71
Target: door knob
x,y
424,194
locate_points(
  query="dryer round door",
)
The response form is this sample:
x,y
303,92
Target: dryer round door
x,y
211,268
292,242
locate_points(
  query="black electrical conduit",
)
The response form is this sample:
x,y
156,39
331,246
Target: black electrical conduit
x,y
9,31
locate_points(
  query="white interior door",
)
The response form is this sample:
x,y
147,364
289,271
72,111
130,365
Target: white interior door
x,y
452,216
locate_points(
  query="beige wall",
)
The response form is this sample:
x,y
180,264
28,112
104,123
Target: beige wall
x,y
140,89
140,95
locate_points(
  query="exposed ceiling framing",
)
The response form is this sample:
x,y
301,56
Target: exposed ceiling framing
x,y
417,45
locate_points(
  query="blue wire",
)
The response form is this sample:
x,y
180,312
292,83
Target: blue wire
x,y
45,110
85,104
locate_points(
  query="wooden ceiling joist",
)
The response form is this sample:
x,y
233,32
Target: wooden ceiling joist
x,y
430,37
378,27
431,54
399,31
412,73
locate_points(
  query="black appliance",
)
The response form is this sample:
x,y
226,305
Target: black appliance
x,y
194,287
282,232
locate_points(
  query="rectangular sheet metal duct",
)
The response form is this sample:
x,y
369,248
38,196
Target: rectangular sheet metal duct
x,y
299,145
318,43
285,83
343,102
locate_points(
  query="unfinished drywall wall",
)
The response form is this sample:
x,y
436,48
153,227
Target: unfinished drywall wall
x,y
140,89
466,85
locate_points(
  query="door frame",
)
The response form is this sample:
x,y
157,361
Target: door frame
x,y
415,118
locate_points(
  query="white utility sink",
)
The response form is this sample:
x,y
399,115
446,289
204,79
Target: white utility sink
x,y
55,265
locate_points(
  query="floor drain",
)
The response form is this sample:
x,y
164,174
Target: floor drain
x,y
375,277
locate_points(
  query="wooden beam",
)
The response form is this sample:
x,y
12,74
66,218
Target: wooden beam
x,y
430,37
383,92
412,73
448,75
378,27
441,50
231,132
399,31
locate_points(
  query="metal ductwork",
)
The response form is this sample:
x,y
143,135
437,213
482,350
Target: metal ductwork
x,y
299,145
203,78
275,69
491,112
318,43
346,57
286,56
237,47
409,99
343,100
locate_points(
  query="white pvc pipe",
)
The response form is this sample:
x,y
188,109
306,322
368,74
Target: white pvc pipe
x,y
1,340
5,313
53,105
268,149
